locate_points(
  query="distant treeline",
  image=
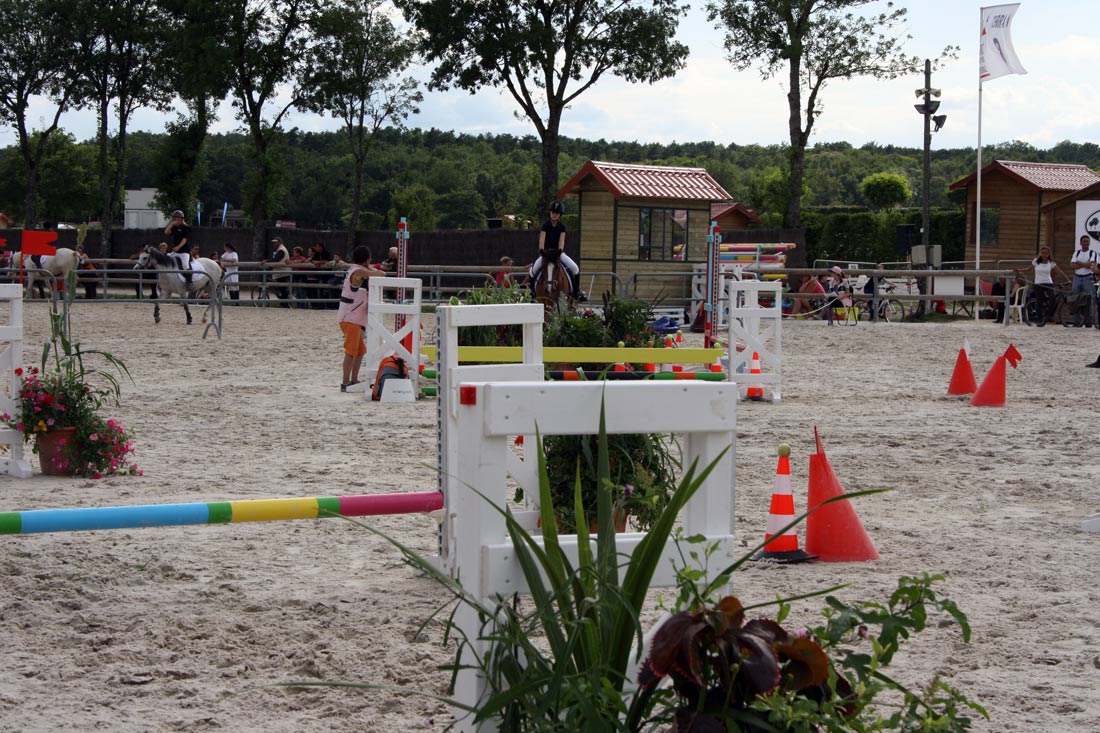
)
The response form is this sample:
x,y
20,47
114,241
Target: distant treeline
x,y
450,180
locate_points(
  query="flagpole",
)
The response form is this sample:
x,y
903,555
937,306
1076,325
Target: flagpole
x,y
978,205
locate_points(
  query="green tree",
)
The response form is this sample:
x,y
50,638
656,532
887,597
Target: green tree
x,y
351,75
885,190
198,71
122,64
813,41
36,62
417,204
67,188
266,45
547,53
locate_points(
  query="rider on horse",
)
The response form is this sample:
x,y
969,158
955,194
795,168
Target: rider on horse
x,y
179,249
553,233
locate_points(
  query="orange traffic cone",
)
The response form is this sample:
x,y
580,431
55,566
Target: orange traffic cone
x,y
679,338
833,532
755,392
962,379
784,548
991,393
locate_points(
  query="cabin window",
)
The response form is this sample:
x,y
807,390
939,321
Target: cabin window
x,y
662,234
991,225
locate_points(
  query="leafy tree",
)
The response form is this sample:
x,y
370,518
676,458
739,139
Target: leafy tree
x,y
67,188
122,65
417,204
198,71
350,74
35,62
885,190
813,41
547,53
266,44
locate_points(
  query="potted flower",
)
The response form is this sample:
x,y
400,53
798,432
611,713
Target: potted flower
x,y
60,403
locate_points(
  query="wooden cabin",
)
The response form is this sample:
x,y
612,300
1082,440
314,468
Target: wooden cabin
x,y
732,216
1067,218
645,223
1014,203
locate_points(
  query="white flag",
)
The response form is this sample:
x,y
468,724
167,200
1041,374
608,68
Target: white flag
x,y
996,57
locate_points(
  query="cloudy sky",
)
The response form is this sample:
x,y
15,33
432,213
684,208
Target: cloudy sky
x,y
708,100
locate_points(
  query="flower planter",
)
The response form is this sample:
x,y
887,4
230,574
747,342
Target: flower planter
x,y
54,445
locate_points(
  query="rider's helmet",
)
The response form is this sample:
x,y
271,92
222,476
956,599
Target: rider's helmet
x,y
176,213
556,207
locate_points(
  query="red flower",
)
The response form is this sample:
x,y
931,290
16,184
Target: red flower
x,y
18,371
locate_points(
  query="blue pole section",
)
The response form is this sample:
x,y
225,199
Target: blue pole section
x,y
150,515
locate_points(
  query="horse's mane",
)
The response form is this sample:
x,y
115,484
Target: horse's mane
x,y
159,257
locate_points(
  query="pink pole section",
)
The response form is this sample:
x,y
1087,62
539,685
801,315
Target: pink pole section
x,y
408,503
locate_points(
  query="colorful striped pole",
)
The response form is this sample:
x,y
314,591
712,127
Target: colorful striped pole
x,y
219,512
572,375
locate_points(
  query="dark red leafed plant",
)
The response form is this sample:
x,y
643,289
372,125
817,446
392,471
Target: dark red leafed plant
x,y
720,664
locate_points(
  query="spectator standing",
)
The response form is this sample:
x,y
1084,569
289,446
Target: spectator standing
x,y
281,278
229,260
1044,266
390,263
503,277
87,274
352,314
1083,263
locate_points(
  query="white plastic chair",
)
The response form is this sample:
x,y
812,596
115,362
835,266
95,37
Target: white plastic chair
x,y
1017,307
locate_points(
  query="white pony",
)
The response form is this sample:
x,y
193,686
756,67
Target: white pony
x,y
205,278
59,265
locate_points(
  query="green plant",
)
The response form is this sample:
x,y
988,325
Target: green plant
x,y
574,329
65,391
492,294
642,471
626,320
732,675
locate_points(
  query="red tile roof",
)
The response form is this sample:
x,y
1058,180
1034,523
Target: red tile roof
x,y
1042,176
1082,193
649,181
721,208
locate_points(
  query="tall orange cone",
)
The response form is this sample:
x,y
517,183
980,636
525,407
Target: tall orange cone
x,y
962,379
833,532
755,392
784,548
991,393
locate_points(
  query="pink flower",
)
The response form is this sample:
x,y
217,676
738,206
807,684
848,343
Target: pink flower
x,y
50,422
62,441
93,437
97,475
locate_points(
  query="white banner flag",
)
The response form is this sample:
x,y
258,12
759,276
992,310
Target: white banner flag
x,y
996,57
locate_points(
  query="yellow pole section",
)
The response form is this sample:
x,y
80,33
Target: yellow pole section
x,y
264,510
576,355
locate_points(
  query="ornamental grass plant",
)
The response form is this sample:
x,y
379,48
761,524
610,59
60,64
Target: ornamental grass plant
x,y
68,390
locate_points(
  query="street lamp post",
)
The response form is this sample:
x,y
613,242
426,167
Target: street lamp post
x,y
927,108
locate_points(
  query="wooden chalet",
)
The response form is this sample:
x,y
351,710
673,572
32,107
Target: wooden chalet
x,y
644,220
1015,198
1067,218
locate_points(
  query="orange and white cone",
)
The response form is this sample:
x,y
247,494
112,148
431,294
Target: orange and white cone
x,y
782,547
754,392
679,338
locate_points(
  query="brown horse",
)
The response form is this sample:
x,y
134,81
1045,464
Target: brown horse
x,y
553,283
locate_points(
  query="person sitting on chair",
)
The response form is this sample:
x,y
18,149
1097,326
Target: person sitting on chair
x,y
552,235
811,286
839,290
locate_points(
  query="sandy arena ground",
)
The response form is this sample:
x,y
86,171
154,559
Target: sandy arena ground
x,y
194,628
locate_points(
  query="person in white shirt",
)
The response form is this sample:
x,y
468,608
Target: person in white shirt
x,y
1044,265
229,260
1083,263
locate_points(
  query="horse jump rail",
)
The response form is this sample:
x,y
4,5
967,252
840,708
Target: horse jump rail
x,y
217,512
581,355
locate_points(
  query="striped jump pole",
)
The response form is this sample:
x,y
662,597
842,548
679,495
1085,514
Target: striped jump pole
x,y
573,375
218,512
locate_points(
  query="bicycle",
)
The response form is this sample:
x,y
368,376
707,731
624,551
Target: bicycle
x,y
889,309
1060,310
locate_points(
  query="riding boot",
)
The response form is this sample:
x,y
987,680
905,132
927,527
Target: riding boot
x,y
575,282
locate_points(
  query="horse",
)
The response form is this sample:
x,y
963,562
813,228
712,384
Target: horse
x,y
59,265
553,283
206,277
